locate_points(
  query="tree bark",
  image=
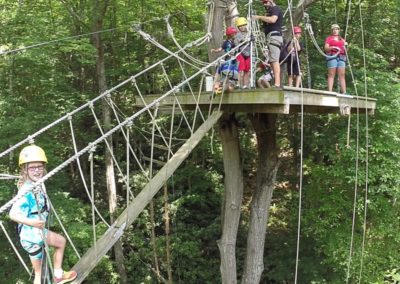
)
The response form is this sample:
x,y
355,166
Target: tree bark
x,y
99,11
232,197
265,128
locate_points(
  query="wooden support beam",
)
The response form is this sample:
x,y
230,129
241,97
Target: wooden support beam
x,y
136,206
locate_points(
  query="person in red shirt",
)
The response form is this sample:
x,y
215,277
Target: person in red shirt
x,y
335,48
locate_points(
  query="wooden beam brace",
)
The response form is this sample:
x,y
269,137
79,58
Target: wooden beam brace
x,y
136,206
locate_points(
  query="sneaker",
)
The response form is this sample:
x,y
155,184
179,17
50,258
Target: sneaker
x,y
245,87
218,90
68,276
274,87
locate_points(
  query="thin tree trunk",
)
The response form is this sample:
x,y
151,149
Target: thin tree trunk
x,y
98,15
232,198
265,128
167,234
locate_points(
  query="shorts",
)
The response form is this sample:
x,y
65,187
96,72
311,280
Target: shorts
x,y
244,63
266,77
293,67
34,250
228,69
274,46
337,62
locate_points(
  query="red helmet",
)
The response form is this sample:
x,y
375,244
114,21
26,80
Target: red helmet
x,y
230,31
296,30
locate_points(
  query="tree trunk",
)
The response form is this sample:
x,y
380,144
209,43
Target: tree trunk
x,y
232,197
265,128
99,11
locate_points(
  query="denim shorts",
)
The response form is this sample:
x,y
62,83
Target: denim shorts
x,y
336,62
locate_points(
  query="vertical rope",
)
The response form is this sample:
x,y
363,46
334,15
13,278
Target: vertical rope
x,y
366,150
14,248
92,195
301,158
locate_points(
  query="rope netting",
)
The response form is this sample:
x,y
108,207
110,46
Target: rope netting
x,y
147,129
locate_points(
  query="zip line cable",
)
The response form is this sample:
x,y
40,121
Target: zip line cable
x,y
79,36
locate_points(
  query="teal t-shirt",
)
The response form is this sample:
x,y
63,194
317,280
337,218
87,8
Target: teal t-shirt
x,y
28,207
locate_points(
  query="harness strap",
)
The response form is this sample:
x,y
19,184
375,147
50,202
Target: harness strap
x,y
339,57
36,252
275,44
44,208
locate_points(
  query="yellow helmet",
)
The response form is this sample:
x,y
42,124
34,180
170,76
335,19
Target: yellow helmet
x,y
32,153
241,21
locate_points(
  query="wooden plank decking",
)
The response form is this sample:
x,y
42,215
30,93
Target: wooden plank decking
x,y
288,100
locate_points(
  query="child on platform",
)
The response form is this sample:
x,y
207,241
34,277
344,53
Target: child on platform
x,y
227,73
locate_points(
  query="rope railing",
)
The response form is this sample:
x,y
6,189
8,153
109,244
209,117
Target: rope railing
x,y
102,138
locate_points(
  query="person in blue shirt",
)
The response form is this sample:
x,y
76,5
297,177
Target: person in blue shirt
x,y
227,73
31,212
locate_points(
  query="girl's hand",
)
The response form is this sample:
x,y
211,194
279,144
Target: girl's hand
x,y
38,223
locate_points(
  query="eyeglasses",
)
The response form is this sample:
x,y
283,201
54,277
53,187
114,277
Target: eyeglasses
x,y
36,168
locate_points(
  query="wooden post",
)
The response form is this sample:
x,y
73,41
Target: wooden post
x,y
232,197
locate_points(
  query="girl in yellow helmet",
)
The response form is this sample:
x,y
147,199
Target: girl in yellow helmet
x,y
244,53
31,212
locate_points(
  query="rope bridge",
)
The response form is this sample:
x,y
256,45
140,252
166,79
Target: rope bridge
x,y
171,139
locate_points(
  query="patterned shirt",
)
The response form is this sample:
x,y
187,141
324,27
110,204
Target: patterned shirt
x,y
28,207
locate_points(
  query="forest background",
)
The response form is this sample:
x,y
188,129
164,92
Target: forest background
x,y
40,84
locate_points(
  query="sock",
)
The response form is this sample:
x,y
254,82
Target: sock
x,y
58,272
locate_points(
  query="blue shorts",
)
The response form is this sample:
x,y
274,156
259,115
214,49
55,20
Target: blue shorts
x,y
337,62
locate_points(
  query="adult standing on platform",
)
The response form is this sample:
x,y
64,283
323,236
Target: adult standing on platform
x,y
335,48
273,20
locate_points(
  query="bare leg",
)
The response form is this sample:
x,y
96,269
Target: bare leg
x,y
290,80
246,79
276,68
58,242
241,79
37,268
298,81
342,79
260,83
331,78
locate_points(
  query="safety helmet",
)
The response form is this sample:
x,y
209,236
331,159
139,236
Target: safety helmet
x,y
230,31
335,26
296,30
241,21
32,153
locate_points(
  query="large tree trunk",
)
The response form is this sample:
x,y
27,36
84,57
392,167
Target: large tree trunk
x,y
99,10
232,198
265,128
225,13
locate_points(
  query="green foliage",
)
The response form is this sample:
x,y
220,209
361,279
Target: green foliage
x,y
38,85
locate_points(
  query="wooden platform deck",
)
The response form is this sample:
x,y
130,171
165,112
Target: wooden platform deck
x,y
286,101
